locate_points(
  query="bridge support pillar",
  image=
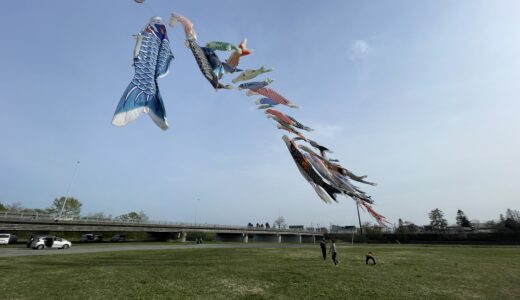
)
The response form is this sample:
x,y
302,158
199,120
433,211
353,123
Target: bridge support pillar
x,y
299,238
246,238
183,236
279,236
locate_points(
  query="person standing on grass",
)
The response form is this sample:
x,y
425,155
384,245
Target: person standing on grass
x,y
323,246
333,251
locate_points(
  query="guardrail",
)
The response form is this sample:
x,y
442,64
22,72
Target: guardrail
x,y
34,216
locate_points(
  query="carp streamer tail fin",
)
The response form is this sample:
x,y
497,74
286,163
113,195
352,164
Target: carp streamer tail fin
x,y
331,190
134,102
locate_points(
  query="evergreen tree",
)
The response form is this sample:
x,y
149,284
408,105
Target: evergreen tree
x,y
462,220
512,220
400,228
437,221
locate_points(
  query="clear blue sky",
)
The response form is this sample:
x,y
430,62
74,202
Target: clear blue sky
x,y
421,96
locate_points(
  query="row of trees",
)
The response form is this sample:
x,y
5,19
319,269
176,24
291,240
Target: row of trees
x,y
259,225
72,209
509,221
278,223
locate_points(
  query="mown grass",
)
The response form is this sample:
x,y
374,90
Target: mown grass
x,y
402,272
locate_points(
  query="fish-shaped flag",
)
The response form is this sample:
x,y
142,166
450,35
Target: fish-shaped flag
x,y
343,184
229,69
318,166
223,46
346,172
214,61
266,101
234,58
279,115
209,65
337,180
287,127
324,190
333,164
273,95
379,218
152,58
321,148
186,24
243,48
298,124
255,84
264,106
288,119
250,74
204,65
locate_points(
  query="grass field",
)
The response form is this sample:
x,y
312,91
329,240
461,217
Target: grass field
x,y
402,272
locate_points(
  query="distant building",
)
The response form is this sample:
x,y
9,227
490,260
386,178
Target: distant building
x,y
486,230
458,229
342,229
322,229
296,227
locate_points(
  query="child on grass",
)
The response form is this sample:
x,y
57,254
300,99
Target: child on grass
x,y
323,246
334,252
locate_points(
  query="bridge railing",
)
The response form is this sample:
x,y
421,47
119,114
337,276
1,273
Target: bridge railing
x,y
35,216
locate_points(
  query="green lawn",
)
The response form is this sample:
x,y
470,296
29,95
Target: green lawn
x,y
402,272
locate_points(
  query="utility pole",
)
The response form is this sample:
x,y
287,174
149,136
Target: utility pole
x,y
359,219
68,189
196,210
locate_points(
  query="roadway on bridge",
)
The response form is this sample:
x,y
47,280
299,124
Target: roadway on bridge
x,y
96,248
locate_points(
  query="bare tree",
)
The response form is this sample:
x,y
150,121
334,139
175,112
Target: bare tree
x,y
14,207
279,222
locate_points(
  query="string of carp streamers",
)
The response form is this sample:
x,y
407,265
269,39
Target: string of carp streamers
x,y
152,59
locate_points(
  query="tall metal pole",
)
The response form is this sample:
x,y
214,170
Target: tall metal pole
x,y
68,189
196,210
359,219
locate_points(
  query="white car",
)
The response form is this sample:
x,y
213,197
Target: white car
x,y
4,238
52,242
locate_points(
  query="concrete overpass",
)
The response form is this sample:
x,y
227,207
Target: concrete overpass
x,y
156,230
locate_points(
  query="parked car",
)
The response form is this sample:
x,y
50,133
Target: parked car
x,y
33,237
4,238
7,238
52,242
89,237
118,238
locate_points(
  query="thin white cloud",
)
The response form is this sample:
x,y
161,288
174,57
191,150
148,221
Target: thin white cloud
x,y
359,49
